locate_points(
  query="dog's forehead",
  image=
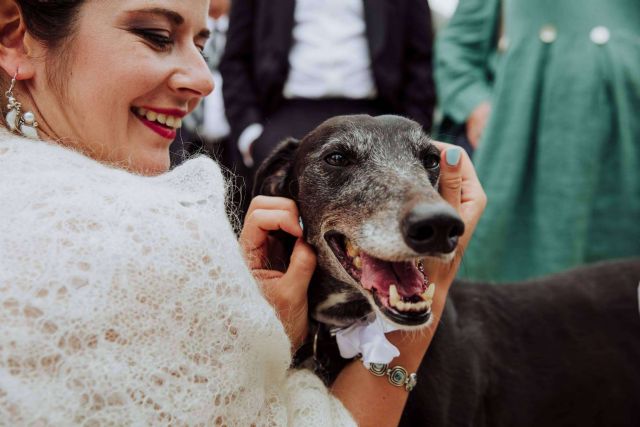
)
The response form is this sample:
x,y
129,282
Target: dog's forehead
x,y
363,132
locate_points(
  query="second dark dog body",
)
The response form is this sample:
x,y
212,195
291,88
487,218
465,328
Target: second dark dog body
x,y
559,351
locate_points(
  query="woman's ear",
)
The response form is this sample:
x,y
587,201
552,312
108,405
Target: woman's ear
x,y
14,50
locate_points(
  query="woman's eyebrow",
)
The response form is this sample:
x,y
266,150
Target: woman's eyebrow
x,y
170,15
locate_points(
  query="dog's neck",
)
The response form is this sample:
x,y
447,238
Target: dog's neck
x,y
344,307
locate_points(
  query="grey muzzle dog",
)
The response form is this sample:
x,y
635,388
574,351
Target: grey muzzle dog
x,y
367,190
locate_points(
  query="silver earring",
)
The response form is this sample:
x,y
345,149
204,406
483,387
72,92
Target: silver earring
x,y
24,124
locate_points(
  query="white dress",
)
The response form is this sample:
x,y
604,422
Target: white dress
x,y
125,300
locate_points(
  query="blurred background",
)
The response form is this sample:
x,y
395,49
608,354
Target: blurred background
x,y
543,95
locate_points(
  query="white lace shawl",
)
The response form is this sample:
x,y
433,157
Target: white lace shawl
x,y
124,300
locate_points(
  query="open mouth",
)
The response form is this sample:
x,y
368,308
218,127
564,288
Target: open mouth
x,y
164,125
400,289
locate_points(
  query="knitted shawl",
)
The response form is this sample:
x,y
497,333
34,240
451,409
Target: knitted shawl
x,y
125,300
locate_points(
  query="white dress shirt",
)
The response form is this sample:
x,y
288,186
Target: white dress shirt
x,y
330,56
215,124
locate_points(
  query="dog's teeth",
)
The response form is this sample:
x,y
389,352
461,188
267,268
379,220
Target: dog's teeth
x,y
395,300
431,290
427,295
352,250
394,297
357,262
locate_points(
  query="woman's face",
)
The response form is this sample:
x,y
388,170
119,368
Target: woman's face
x,y
130,66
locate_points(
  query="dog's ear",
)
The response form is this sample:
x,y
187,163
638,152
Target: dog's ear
x,y
273,177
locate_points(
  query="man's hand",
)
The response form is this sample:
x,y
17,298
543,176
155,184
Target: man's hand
x,y
476,123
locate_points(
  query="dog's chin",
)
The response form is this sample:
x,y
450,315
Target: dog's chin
x,y
400,320
398,290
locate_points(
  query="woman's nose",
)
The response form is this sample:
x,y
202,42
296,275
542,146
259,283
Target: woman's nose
x,y
193,76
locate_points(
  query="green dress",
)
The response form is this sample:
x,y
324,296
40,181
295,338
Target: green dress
x,y
560,156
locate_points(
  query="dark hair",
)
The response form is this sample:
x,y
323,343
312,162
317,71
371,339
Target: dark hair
x,y
50,21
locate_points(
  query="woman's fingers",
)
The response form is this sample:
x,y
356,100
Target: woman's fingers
x,y
288,292
459,185
451,176
473,199
301,267
265,216
269,202
261,221
290,288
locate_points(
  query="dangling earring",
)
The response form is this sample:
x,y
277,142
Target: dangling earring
x,y
24,124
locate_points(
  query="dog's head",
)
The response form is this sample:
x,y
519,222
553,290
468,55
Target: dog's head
x,y
366,188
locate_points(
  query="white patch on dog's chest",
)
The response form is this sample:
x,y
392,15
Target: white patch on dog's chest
x,y
333,299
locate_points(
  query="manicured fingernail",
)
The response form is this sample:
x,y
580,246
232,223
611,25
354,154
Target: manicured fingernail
x,y
452,155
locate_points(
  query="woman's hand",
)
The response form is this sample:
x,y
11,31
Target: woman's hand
x,y
285,291
460,187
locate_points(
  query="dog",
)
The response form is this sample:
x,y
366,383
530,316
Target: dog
x,y
559,351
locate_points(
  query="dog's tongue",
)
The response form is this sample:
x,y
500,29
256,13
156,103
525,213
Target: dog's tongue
x,y
379,275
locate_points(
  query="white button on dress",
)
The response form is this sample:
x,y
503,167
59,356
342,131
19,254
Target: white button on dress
x,y
548,34
600,35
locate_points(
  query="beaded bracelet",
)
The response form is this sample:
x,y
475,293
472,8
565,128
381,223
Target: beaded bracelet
x,y
397,375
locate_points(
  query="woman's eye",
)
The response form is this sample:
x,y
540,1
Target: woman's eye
x,y
337,159
159,38
431,161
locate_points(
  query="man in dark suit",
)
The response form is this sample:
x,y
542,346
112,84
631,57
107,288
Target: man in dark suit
x,y
291,64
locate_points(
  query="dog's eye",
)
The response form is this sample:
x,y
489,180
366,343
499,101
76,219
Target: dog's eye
x,y
337,159
431,161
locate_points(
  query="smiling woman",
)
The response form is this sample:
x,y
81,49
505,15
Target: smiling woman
x,y
125,298
117,85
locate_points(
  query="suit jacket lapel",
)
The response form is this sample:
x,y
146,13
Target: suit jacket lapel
x,y
375,20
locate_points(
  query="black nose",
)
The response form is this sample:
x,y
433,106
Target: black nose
x,y
432,228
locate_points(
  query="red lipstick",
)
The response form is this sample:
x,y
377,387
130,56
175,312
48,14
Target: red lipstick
x,y
163,131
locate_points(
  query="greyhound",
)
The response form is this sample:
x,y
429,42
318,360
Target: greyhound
x,y
563,350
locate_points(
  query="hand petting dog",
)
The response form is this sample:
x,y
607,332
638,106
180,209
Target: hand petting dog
x,y
285,291
460,187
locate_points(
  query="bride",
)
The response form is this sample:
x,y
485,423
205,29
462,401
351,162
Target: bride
x,y
125,298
